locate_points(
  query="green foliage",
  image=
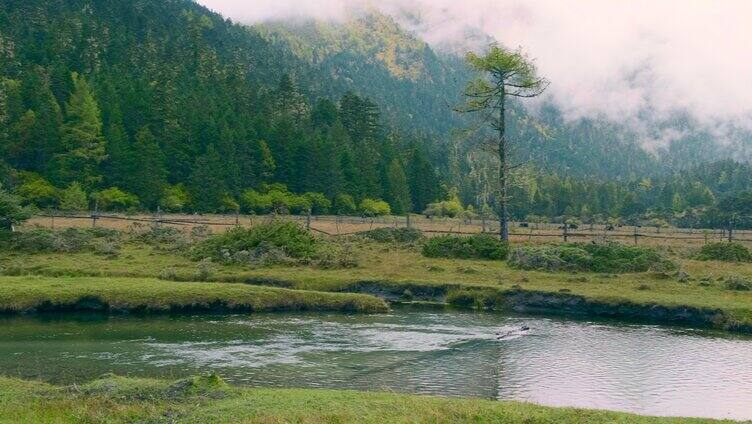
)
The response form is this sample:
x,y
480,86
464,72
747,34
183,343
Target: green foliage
x,y
253,201
114,199
277,198
70,240
82,138
481,246
142,169
162,238
393,235
738,283
73,198
11,211
344,204
398,192
320,205
474,298
35,190
174,198
446,208
724,251
240,243
220,108
374,207
593,257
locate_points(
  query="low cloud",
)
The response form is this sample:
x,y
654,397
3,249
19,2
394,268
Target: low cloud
x,y
630,61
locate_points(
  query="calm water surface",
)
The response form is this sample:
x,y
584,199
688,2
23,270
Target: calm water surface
x,y
637,368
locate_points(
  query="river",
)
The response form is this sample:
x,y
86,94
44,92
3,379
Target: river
x,y
643,369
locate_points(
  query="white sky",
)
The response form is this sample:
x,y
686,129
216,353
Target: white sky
x,y
614,58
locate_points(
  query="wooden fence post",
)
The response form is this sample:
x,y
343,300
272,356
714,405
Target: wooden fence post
x,y
408,220
730,231
566,233
635,235
308,219
95,215
158,218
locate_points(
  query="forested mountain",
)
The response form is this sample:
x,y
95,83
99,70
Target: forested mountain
x,y
419,89
169,102
162,103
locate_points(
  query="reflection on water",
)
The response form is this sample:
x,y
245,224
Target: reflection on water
x,y
643,369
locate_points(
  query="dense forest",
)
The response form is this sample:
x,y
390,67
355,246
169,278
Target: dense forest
x,y
162,103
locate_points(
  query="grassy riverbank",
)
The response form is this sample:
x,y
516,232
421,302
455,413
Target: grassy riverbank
x,y
39,293
210,400
142,268
402,273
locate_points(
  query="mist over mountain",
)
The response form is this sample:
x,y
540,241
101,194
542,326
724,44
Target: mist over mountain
x,y
675,90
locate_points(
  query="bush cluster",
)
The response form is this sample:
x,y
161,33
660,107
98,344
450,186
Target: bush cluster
x,y
162,238
245,244
71,240
738,283
604,258
481,246
727,252
393,235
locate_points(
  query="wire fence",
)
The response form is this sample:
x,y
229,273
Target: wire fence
x,y
348,225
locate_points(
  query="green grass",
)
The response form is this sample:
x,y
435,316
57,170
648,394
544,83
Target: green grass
x,y
33,293
404,268
209,400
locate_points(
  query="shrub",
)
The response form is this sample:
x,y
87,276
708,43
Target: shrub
x,y
481,246
319,203
474,298
604,258
447,208
163,238
335,256
11,212
71,240
374,207
73,198
549,258
727,252
344,204
174,198
738,283
393,235
115,199
236,244
36,190
253,201
277,198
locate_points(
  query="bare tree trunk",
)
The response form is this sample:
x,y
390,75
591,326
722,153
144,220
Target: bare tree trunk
x,y
503,173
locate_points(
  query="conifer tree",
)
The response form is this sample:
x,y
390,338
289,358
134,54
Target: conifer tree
x,y
82,139
207,188
147,176
398,193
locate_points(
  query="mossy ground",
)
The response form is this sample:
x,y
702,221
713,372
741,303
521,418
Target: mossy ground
x,y
208,399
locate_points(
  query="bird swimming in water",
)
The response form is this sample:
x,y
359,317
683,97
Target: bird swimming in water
x,y
512,332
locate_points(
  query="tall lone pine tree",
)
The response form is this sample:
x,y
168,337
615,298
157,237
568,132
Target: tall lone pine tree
x,y
506,73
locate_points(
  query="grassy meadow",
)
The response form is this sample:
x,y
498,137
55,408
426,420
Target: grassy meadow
x,y
39,293
207,399
154,271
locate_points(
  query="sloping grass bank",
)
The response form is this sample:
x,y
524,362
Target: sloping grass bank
x,y
704,298
41,294
209,400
